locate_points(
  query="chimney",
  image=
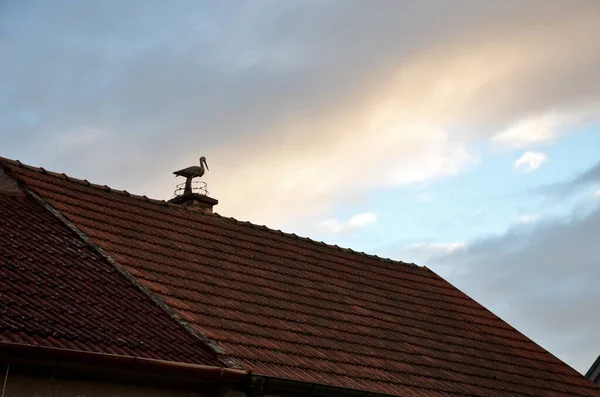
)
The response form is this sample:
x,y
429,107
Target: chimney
x,y
193,194
197,201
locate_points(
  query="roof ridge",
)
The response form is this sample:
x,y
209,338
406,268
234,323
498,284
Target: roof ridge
x,y
164,203
319,243
87,183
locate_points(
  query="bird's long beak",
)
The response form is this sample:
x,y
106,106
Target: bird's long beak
x,y
206,165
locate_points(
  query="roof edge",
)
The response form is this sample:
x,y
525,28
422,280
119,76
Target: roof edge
x,y
265,384
594,370
205,372
545,351
220,354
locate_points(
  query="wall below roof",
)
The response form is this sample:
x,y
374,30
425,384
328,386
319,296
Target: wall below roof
x,y
34,386
25,381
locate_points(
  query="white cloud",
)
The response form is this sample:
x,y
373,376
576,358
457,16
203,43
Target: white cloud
x,y
435,249
534,130
353,223
425,253
396,131
315,176
528,218
529,161
597,193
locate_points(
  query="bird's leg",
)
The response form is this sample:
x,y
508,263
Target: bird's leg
x,y
188,186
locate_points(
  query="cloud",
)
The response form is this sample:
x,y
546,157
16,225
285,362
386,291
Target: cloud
x,y
533,130
585,179
597,193
293,105
355,222
425,253
528,218
588,177
542,278
529,161
430,250
339,168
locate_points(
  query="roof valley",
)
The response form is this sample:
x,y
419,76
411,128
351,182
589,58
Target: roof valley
x,y
189,328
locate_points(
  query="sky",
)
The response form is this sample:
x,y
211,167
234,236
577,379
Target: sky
x,y
460,135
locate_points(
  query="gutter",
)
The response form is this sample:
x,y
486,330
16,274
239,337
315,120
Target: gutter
x,y
9,350
259,385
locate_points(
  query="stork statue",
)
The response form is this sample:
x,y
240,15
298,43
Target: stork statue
x,y
190,173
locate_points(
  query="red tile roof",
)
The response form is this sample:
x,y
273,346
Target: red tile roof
x,y
289,307
55,291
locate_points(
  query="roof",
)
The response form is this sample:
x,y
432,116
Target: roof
x,y
593,373
289,307
57,292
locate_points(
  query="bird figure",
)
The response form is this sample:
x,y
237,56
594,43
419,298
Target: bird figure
x,y
192,172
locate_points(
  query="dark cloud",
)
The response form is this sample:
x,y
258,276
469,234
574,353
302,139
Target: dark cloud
x,y
208,74
585,179
591,176
541,278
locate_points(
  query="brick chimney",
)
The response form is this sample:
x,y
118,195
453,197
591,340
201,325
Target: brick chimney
x,y
197,201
